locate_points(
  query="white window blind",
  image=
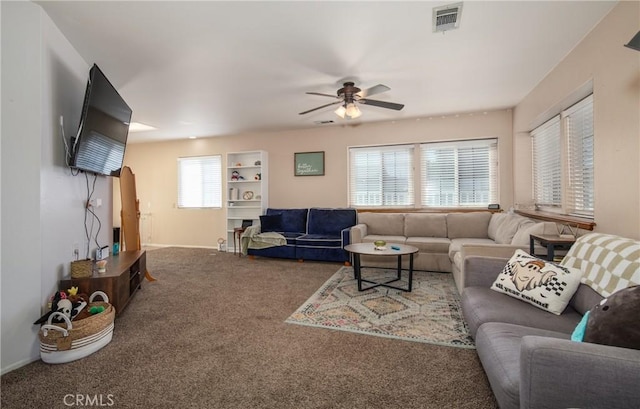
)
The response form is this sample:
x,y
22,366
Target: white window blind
x,y
579,137
381,176
200,181
459,174
547,165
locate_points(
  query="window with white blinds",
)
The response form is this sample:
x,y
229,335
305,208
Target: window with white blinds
x,y
381,176
200,182
547,165
578,121
563,161
460,173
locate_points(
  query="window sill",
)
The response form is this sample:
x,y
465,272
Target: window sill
x,y
572,221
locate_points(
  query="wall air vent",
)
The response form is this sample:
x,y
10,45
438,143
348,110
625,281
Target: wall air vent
x,y
446,17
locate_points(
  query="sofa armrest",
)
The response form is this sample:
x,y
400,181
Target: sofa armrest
x,y
564,374
357,232
480,271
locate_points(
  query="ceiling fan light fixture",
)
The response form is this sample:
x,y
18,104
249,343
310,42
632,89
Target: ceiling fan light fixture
x,y
341,111
352,111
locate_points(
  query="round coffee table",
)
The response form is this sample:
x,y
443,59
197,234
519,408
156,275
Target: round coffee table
x,y
391,249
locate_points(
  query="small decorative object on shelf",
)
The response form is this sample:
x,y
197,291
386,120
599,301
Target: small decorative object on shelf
x,y
258,176
248,195
102,266
258,163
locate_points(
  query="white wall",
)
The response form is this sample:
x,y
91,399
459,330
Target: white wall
x,y
42,212
615,73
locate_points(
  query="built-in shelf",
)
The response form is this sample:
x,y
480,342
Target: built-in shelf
x,y
252,168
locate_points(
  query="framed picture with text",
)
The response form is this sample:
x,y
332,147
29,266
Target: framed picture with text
x,y
308,164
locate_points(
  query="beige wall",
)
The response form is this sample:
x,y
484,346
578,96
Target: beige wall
x,y
154,165
615,73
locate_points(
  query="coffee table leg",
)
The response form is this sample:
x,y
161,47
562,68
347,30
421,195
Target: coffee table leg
x,y
399,268
410,271
356,270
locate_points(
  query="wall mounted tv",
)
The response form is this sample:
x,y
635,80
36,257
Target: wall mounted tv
x,y
104,125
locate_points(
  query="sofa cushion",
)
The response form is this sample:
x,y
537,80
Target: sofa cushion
x,y
498,346
389,239
481,304
526,229
494,223
430,244
469,225
610,263
425,225
271,222
293,220
541,283
383,224
456,244
508,228
319,240
330,221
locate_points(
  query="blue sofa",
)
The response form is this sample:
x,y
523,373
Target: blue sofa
x,y
311,234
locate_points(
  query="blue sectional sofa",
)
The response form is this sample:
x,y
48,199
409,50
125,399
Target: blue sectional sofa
x,y
311,234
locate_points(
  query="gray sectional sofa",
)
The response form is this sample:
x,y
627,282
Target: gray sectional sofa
x,y
527,353
445,239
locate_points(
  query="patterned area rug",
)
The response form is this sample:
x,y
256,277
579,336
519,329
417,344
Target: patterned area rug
x,y
430,313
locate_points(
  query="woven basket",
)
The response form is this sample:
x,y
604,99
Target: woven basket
x,y
81,268
69,341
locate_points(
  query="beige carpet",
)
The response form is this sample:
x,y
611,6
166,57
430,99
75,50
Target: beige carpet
x,y
211,333
430,313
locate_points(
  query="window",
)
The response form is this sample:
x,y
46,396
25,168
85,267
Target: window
x,y
563,166
452,174
547,169
200,182
459,174
579,131
381,176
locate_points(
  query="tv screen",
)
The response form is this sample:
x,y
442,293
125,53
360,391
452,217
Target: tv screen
x,y
104,125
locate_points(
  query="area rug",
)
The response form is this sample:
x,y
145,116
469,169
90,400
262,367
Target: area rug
x,y
430,313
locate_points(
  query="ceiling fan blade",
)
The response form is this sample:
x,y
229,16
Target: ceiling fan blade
x,y
320,107
376,89
382,104
322,95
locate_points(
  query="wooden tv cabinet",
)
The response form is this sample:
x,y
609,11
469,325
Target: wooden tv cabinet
x,y
120,282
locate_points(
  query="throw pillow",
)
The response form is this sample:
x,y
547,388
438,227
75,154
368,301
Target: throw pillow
x,y
615,320
542,283
271,223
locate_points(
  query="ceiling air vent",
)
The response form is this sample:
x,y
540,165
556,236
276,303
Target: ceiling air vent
x,y
325,122
446,17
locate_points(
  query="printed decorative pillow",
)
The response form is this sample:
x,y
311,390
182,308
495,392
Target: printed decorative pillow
x,y
542,283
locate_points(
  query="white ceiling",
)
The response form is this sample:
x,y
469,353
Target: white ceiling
x,y
210,68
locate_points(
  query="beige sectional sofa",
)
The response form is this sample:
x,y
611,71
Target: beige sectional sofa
x,y
445,239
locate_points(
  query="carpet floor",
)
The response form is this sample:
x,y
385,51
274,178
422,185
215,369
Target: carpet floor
x,y
430,313
211,333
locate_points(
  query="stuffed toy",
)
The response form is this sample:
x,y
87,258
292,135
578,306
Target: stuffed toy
x,y
64,305
235,175
615,320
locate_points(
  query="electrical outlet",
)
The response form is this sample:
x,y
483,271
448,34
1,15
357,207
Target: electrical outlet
x,y
76,250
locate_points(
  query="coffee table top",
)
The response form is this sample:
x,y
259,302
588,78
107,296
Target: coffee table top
x,y
369,249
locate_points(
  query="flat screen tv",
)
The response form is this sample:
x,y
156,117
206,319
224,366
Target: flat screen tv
x,y
104,125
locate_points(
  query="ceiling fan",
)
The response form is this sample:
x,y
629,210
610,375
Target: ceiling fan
x,y
349,95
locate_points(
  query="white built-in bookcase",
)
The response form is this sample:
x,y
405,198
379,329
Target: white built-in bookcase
x,y
248,195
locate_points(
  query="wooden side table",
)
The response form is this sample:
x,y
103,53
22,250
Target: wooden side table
x,y
552,243
237,233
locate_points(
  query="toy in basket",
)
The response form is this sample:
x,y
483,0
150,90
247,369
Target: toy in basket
x,y
69,341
